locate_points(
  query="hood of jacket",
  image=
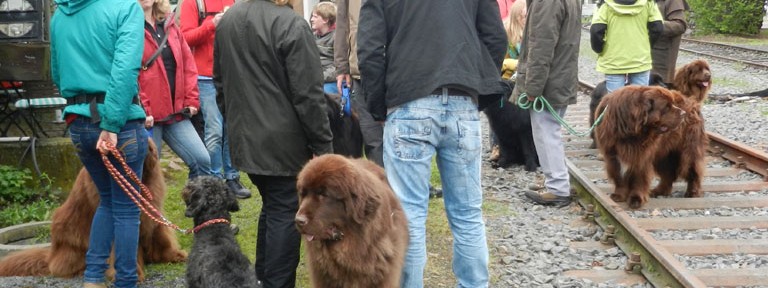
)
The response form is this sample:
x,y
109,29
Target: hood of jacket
x,y
70,7
626,7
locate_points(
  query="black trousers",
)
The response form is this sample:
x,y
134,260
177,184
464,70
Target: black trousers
x,y
373,132
277,240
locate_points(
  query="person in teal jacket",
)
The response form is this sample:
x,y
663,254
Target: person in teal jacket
x,y
622,33
96,50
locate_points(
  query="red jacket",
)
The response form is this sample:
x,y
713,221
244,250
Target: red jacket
x,y
200,35
154,89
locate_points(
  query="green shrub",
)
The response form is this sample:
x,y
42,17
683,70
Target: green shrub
x,y
22,199
740,17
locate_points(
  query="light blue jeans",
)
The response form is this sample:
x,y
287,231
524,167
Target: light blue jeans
x,y
116,220
216,140
616,81
183,140
413,133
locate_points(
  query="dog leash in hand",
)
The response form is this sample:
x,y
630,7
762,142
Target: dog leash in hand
x,y
141,201
538,105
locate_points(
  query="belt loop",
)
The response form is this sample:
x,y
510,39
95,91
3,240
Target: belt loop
x,y
445,95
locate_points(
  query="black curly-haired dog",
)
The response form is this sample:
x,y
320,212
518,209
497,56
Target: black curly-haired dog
x,y
215,259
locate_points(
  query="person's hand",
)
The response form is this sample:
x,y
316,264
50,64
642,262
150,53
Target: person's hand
x,y
217,18
192,110
531,98
149,122
105,139
341,78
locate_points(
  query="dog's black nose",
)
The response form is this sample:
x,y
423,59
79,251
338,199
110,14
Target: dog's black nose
x,y
301,220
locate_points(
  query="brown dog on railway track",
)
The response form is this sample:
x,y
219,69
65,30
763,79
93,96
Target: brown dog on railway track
x,y
71,226
647,129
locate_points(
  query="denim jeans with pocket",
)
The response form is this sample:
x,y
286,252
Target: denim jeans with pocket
x,y
117,217
414,132
216,140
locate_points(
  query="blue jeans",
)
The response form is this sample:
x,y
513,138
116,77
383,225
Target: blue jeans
x,y
413,133
616,81
117,217
216,140
183,140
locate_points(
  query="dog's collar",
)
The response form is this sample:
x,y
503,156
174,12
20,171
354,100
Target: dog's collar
x,y
209,223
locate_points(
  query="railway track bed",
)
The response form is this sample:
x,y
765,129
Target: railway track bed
x,y
718,240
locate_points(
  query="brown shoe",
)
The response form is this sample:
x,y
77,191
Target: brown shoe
x,y
547,198
495,153
94,285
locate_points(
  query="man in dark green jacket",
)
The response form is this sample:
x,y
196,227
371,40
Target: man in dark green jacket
x,y
269,84
548,67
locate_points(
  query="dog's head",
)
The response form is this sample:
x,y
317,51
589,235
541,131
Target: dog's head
x,y
335,194
694,79
207,197
634,111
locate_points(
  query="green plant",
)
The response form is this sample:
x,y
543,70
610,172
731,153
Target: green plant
x,y
13,185
729,17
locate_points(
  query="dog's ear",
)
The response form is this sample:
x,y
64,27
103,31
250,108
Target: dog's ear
x,y
151,160
364,197
193,204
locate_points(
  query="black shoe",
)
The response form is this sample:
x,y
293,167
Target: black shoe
x,y
236,187
547,198
435,192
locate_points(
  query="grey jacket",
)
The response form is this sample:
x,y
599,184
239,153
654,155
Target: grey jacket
x,y
325,46
549,60
270,88
407,49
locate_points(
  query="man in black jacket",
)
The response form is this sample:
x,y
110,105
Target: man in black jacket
x,y
272,99
424,64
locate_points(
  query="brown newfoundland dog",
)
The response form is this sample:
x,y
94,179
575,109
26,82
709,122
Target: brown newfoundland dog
x,y
651,128
694,80
355,229
71,226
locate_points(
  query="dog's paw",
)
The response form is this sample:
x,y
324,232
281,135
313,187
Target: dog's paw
x,y
616,197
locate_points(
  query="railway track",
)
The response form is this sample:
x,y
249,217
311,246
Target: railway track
x,y
752,57
670,240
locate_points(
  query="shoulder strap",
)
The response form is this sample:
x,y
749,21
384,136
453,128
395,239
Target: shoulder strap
x,y
201,11
159,50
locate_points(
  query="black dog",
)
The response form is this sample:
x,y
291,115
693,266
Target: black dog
x,y
600,91
215,259
347,136
512,126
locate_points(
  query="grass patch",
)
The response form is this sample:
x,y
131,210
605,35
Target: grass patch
x,y
759,39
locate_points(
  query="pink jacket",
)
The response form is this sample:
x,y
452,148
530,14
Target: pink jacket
x,y
154,89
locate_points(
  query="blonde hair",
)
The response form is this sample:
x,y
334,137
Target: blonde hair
x,y
515,22
327,11
160,9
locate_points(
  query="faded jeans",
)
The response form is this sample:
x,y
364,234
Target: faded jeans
x,y
616,81
183,140
216,140
117,217
414,132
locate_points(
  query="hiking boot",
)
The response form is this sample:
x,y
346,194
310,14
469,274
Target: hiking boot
x,y
495,153
547,198
435,192
236,187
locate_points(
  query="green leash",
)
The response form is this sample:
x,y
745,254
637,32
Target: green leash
x,y
538,105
